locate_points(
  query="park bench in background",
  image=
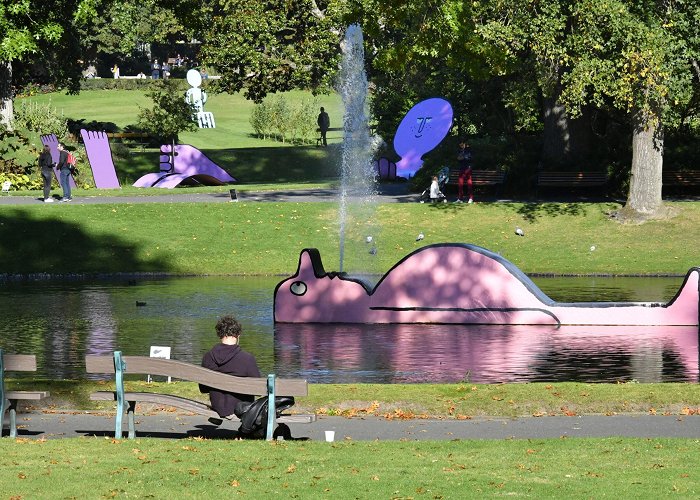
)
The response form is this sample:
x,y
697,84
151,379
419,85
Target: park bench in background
x,y
319,139
680,178
480,178
139,139
8,399
574,180
119,365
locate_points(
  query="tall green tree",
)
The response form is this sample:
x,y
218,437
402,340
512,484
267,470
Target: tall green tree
x,y
262,47
40,33
634,58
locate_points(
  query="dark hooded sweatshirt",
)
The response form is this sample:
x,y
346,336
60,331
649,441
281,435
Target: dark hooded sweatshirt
x,y
232,360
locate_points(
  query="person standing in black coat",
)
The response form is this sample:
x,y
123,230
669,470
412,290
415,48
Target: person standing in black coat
x,y
46,165
228,357
324,123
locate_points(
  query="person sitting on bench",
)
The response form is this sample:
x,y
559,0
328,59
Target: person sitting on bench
x,y
228,357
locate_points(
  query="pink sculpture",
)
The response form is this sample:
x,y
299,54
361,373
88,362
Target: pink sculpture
x,y
425,125
459,284
190,166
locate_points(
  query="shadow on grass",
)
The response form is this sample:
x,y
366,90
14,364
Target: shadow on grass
x,y
533,211
51,245
528,211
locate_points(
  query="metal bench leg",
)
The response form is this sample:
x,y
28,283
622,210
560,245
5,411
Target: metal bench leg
x,y
271,410
13,418
3,406
132,425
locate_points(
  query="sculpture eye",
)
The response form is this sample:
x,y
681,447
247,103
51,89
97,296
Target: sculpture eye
x,y
298,288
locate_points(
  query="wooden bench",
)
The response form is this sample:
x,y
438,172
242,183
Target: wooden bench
x,y
8,399
571,179
139,139
680,178
119,365
479,178
319,138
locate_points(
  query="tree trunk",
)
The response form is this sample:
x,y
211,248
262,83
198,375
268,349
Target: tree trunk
x,y
556,135
644,198
6,110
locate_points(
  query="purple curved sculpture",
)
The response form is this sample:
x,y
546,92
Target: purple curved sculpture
x,y
100,157
51,141
425,125
459,284
190,166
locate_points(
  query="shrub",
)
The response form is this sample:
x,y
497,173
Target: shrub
x,y
40,118
21,181
275,117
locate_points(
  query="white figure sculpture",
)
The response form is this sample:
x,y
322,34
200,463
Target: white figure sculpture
x,y
197,97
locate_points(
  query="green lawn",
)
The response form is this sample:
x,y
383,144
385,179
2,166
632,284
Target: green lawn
x,y
534,468
231,144
266,237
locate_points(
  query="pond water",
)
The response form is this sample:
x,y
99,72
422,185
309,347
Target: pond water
x,y
61,322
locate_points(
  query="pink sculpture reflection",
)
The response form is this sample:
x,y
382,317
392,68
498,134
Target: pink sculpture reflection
x,y
425,125
487,353
459,284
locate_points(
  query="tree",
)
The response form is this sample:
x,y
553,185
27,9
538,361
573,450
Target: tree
x,y
170,114
633,58
264,47
37,33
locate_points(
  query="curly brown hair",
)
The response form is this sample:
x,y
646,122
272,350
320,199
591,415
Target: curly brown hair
x,y
228,326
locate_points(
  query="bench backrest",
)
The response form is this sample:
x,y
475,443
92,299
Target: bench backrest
x,y
144,365
480,176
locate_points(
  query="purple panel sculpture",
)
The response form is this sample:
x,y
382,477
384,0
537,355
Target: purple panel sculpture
x,y
386,169
51,141
190,166
100,157
460,284
425,125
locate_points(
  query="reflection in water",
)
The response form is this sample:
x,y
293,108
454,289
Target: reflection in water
x,y
489,353
62,322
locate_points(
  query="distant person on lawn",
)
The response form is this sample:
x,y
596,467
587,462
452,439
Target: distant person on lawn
x,y
228,357
324,123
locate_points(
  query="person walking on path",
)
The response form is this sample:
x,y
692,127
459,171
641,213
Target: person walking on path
x,y
64,169
324,123
464,162
228,357
46,164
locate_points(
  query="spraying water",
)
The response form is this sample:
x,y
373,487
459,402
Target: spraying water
x,y
357,186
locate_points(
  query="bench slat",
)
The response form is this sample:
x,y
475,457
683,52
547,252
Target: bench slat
x,y
19,362
188,405
480,177
28,395
571,179
681,178
145,365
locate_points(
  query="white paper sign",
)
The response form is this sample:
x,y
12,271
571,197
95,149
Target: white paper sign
x,y
159,352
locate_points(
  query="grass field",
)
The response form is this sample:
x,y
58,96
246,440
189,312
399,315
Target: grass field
x,y
231,144
536,468
266,238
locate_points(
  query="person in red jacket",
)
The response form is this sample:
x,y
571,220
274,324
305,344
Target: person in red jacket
x,y
228,357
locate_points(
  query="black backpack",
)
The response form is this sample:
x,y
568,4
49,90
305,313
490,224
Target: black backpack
x,y
254,415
